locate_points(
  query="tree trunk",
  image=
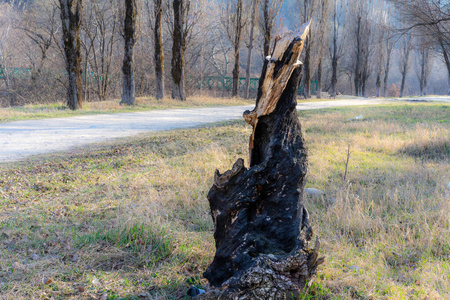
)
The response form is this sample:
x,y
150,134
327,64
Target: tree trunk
x,y
447,63
334,56
307,69
71,16
237,47
422,78
267,28
378,85
404,72
319,79
177,52
159,53
386,70
258,213
128,94
250,49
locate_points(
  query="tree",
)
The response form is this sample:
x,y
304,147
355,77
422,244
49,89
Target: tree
x,y
159,52
40,26
337,41
4,36
129,35
250,48
389,46
269,12
428,18
307,7
99,28
71,16
405,50
322,24
424,64
362,37
234,21
178,51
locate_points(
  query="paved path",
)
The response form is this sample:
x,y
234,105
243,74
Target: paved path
x,y
21,139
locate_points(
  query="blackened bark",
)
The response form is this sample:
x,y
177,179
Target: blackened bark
x,y
128,92
177,52
258,213
159,53
71,15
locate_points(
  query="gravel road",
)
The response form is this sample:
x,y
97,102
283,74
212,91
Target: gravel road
x,y
21,139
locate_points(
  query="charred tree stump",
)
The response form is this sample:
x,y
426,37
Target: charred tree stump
x,y
258,213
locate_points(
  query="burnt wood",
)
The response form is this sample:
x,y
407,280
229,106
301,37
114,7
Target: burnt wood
x,y
258,213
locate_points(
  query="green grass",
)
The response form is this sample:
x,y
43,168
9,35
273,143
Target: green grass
x,y
131,217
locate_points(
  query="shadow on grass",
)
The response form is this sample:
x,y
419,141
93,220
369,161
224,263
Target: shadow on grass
x,y
437,149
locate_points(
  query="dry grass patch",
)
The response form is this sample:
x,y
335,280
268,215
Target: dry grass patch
x,y
57,110
131,218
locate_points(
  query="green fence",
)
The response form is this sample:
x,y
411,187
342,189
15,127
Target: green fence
x,y
207,83
16,72
226,83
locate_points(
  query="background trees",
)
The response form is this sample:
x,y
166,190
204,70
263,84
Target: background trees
x,y
355,47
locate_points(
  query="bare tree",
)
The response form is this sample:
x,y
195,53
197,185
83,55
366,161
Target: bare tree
x,y
100,37
178,51
429,18
362,37
159,52
250,47
269,12
389,46
71,16
4,35
322,15
424,64
405,50
41,28
129,35
307,7
337,41
234,21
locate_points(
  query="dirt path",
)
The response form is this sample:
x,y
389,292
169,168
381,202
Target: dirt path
x,y
21,139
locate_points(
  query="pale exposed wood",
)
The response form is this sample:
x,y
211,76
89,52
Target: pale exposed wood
x,y
277,76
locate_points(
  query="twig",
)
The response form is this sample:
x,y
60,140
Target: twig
x,y
346,165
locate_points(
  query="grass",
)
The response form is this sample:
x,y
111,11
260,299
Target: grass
x,y
57,110
130,219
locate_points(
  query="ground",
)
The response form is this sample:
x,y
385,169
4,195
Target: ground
x,y
130,219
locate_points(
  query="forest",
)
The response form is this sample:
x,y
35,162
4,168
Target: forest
x,y
174,48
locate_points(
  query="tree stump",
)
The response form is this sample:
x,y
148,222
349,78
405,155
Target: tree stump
x,y
261,226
